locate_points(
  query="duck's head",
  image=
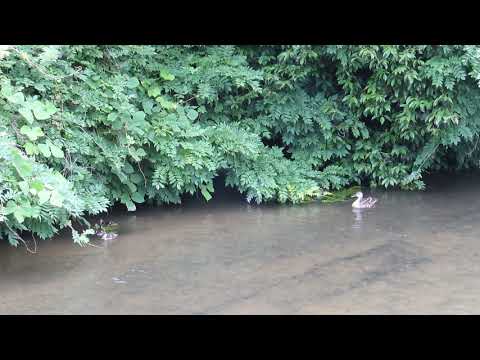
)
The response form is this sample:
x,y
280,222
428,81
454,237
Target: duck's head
x,y
358,194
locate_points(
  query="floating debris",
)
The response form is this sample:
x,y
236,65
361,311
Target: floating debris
x,y
118,281
341,195
138,270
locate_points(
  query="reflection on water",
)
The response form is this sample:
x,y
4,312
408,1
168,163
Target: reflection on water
x,y
414,252
358,218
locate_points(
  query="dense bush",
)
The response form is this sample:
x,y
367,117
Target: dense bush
x,y
85,127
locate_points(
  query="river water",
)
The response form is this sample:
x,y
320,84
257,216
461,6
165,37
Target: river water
x,y
415,253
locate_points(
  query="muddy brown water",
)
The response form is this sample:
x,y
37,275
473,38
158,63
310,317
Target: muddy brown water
x,y
415,253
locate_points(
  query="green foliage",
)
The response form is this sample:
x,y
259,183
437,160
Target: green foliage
x,y
340,195
87,127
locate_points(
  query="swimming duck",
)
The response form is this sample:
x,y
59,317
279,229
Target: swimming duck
x,y
106,231
362,203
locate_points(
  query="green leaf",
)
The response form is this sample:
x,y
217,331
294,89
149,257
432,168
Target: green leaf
x,y
17,98
130,205
210,187
131,186
138,117
136,178
118,124
56,199
34,212
56,151
43,196
147,106
6,88
27,210
138,197
31,149
132,83
192,114
50,54
44,149
43,111
24,186
37,186
50,108
165,103
27,114
205,193
141,153
10,208
32,134
19,215
112,117
24,168
154,91
164,74
128,169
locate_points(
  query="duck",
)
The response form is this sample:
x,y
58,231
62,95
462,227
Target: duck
x,y
106,231
362,203
107,236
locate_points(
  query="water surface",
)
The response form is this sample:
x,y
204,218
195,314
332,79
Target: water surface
x,y
415,253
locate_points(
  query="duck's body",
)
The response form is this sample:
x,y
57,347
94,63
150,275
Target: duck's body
x,y
106,236
362,203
